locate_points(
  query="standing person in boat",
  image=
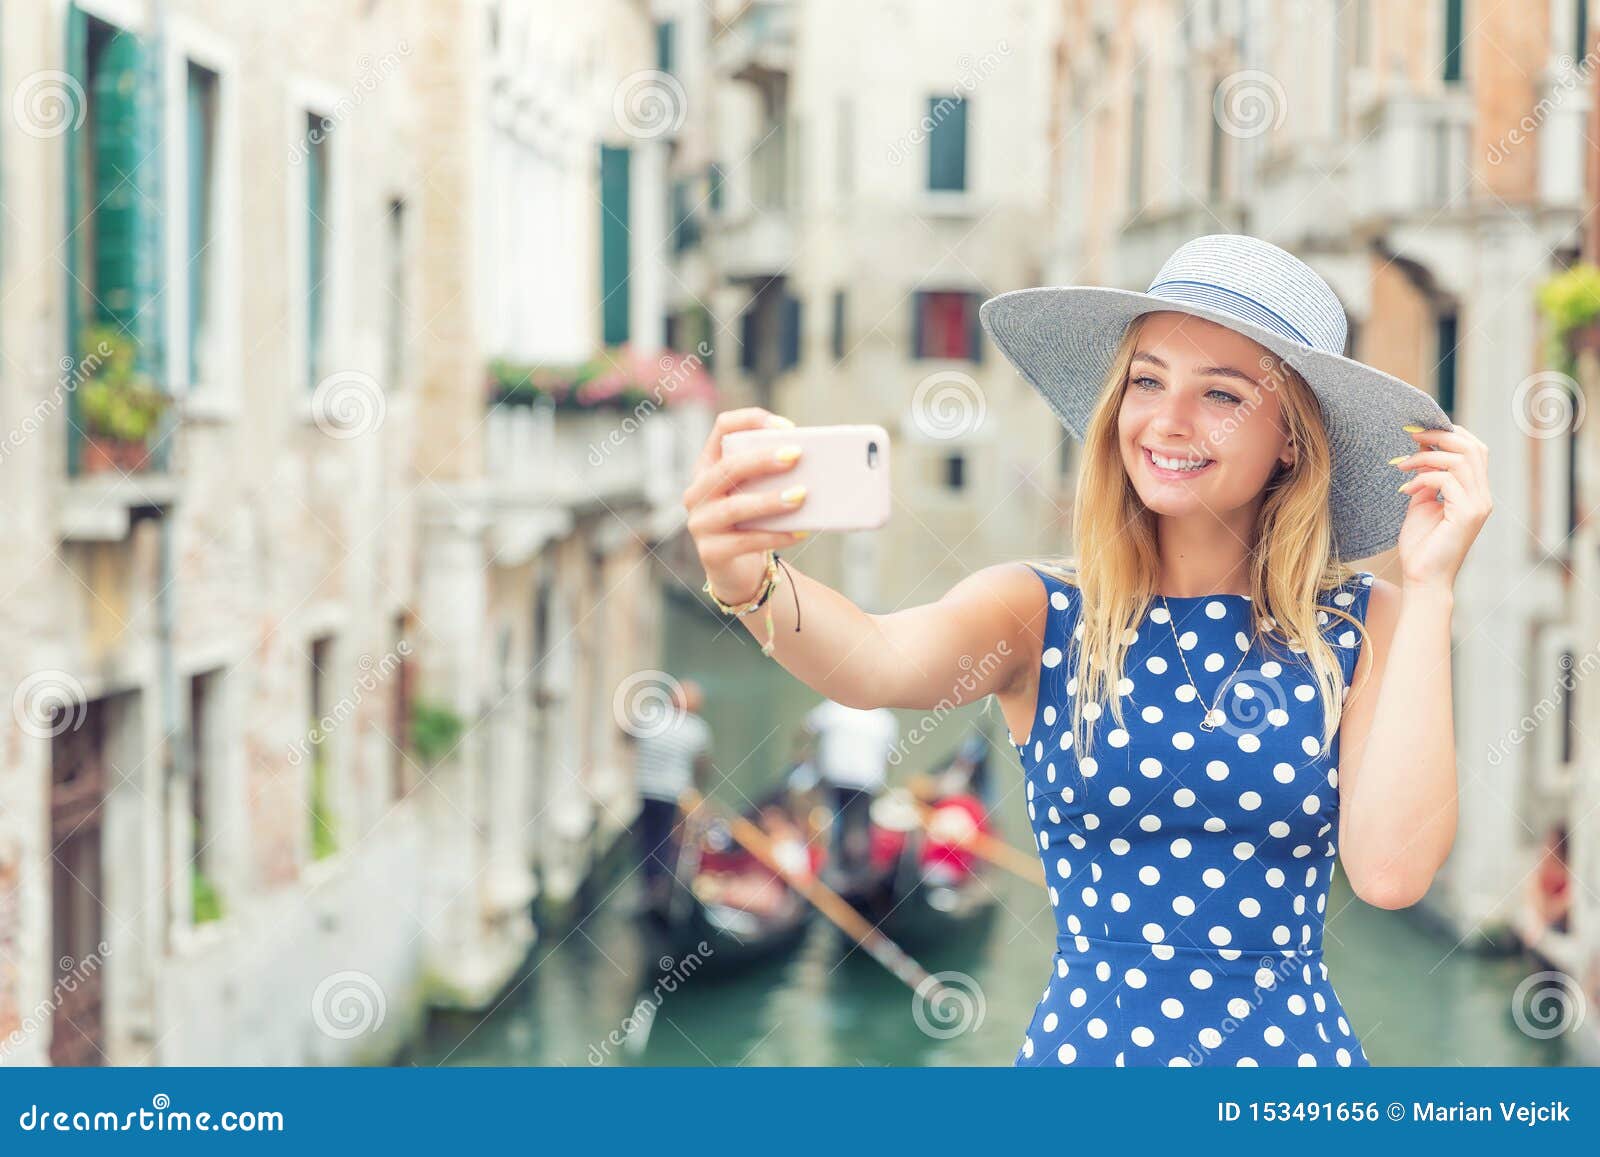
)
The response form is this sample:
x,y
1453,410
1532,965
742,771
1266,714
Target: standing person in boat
x,y
668,759
852,750
1209,701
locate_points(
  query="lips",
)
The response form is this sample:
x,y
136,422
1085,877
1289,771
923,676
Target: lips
x,y
1172,475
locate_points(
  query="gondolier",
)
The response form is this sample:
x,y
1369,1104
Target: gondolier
x,y
668,759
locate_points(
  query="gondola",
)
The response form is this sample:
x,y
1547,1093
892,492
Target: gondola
x,y
724,898
919,888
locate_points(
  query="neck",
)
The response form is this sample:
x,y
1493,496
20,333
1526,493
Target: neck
x,y
1199,556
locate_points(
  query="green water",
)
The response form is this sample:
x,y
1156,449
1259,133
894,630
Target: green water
x,y
598,992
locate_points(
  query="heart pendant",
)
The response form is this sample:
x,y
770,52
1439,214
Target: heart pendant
x,y
1207,725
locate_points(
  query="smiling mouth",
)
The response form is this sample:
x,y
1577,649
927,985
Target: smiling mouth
x,y
1186,470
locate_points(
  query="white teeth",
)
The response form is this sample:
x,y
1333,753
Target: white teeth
x,y
1177,463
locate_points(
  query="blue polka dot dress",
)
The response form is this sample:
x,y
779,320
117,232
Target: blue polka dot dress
x,y
1188,870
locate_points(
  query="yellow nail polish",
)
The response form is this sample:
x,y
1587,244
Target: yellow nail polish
x,y
1401,487
801,533
794,494
779,420
787,453
1412,429
1397,460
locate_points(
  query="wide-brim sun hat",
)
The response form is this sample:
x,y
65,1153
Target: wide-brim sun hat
x,y
1061,339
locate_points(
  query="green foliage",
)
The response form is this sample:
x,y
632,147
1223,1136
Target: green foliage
x,y
324,839
1569,301
435,731
206,902
117,400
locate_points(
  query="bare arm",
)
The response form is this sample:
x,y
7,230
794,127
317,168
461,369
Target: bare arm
x,y
1397,765
979,638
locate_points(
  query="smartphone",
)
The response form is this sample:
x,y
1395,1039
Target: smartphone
x,y
845,470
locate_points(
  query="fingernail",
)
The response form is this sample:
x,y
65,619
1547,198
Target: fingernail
x,y
801,533
787,454
779,420
1398,460
1402,486
1412,429
794,494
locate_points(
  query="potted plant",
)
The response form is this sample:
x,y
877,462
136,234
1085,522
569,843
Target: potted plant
x,y
1570,302
435,731
118,404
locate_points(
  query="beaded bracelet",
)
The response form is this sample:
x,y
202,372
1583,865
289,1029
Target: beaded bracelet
x,y
768,583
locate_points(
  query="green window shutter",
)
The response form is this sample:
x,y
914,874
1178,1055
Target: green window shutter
x,y
947,144
614,244
1452,40
916,323
974,328
789,334
127,194
77,67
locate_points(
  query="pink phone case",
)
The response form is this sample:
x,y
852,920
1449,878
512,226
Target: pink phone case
x,y
845,470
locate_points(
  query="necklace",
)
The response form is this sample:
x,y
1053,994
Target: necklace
x,y
1213,717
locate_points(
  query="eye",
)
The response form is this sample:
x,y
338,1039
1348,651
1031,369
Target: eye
x,y
1141,380
1227,397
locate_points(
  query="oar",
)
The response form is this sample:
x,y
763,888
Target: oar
x,y
995,851
832,905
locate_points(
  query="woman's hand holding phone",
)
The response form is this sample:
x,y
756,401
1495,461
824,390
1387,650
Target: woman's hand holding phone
x,y
735,560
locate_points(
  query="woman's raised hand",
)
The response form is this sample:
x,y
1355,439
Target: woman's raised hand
x,y
735,560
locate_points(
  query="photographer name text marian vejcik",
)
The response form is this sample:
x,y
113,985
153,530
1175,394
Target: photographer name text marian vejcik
x,y
1543,1113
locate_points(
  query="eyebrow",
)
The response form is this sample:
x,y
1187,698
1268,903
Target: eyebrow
x,y
1205,371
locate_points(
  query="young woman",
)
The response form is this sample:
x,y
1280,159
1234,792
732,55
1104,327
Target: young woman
x,y
1197,692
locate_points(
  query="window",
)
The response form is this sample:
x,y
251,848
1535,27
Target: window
x,y
396,310
317,237
789,334
200,132
944,324
1569,723
1453,33
714,186
319,792
664,46
1580,29
1445,329
685,225
836,332
955,472
403,690
947,144
614,244
203,852
113,249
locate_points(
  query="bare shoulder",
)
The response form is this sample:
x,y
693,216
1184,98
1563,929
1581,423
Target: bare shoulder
x,y
1016,598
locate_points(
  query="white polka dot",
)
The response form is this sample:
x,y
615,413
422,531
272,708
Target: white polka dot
x,y
1051,656
1214,662
1134,978
1182,740
1096,1027
1049,1024
1217,770
1187,640
1181,847
1151,714
1149,875
1183,906
1219,935
1249,906
1273,1035
1142,1036
1150,766
1250,800
1156,665
1210,1038
1117,738
1066,1054
1200,978
1119,796
1153,932
1172,1007
1215,610
1183,797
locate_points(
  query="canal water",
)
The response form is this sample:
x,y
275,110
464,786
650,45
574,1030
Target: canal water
x,y
602,992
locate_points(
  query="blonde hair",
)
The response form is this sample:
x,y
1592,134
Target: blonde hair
x,y
1291,556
